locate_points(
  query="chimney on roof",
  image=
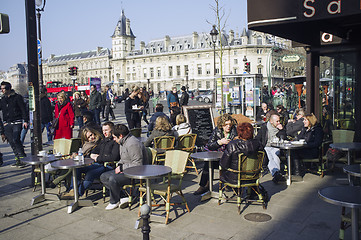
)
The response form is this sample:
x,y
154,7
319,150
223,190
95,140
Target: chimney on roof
x,y
99,50
195,39
166,42
127,28
52,56
142,46
231,36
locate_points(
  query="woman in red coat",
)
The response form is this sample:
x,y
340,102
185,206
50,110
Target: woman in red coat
x,y
66,117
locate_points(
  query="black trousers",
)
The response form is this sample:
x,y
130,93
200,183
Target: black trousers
x,y
109,110
205,172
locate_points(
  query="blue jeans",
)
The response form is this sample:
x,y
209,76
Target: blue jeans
x,y
79,119
48,131
12,133
91,172
96,113
23,133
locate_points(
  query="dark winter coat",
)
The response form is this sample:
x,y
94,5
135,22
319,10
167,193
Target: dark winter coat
x,y
46,110
95,101
108,151
13,108
218,134
262,135
230,157
313,138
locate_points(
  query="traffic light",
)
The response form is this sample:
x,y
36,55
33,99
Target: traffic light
x,y
73,71
4,23
247,67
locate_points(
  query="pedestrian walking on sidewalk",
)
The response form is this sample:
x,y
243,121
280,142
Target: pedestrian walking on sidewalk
x,y
15,118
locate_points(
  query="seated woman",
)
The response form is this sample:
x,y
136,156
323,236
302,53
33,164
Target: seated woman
x,y
101,150
182,126
221,136
162,128
313,135
244,144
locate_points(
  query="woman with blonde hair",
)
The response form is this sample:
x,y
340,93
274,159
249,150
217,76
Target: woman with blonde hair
x,y
181,127
162,128
65,115
312,134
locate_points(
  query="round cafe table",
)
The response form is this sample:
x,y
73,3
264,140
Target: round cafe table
x,y
288,147
74,164
345,196
208,157
147,172
41,161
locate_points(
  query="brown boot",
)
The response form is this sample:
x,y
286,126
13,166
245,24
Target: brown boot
x,y
202,189
67,195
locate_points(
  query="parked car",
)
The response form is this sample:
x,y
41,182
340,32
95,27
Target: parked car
x,y
206,97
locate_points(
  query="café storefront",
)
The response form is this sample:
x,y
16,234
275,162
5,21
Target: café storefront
x,y
330,31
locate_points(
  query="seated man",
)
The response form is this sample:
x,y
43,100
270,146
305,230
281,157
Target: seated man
x,y
132,153
268,132
158,112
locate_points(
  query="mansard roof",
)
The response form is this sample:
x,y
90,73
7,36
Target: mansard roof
x,y
120,29
62,59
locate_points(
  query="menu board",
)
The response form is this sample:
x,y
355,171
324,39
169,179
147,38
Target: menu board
x,y
201,120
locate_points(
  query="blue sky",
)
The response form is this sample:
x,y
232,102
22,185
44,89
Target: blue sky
x,y
71,26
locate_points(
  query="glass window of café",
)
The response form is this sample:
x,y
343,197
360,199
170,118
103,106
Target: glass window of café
x,y
338,88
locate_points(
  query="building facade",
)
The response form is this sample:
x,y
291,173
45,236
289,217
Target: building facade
x,y
17,75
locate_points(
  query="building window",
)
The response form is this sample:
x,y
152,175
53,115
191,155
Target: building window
x,y
208,68
152,72
235,53
199,84
259,70
186,70
198,55
217,70
208,84
178,71
159,74
259,40
158,87
235,70
199,67
170,71
236,61
144,72
259,60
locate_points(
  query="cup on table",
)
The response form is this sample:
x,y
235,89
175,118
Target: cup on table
x,y
303,141
42,153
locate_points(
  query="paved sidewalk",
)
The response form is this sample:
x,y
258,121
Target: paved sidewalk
x,y
296,211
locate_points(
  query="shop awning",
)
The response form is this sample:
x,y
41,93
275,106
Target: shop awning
x,y
306,21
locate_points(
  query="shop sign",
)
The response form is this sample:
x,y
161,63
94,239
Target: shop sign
x,y
290,58
315,9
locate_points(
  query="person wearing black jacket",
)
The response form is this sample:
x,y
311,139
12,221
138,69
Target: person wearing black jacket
x,y
95,103
244,144
221,136
184,98
312,133
1,132
269,132
131,108
15,117
89,122
46,113
104,150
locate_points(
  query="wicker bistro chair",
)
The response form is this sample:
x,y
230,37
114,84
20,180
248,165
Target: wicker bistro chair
x,y
162,144
320,161
65,147
249,173
177,160
187,143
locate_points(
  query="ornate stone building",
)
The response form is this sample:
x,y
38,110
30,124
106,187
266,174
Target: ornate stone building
x,y
176,61
17,75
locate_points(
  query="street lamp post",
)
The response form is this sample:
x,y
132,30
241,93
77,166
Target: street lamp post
x,y
214,34
39,3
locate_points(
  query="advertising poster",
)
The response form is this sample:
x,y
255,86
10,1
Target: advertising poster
x,y
97,82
